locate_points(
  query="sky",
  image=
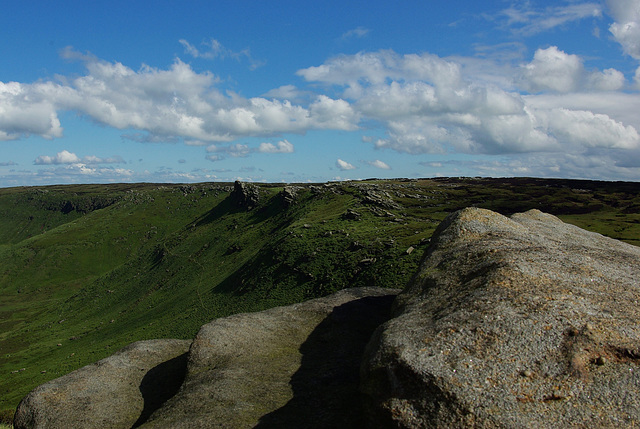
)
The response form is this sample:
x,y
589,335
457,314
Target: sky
x,y
316,91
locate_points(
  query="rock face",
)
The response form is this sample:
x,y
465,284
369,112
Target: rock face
x,y
283,367
511,322
116,392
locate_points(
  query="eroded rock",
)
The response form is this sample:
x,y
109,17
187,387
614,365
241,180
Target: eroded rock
x,y
520,322
116,392
293,366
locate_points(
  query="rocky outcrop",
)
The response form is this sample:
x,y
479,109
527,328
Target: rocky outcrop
x,y
120,391
245,195
283,367
511,322
289,195
275,368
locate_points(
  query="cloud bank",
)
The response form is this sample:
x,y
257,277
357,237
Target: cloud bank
x,y
177,102
429,105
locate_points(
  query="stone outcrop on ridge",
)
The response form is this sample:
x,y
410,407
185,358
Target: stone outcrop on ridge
x,y
520,322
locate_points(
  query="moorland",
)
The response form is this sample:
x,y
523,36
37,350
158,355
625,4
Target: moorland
x,y
88,269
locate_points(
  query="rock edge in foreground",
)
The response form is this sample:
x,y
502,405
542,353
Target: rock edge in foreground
x,y
511,322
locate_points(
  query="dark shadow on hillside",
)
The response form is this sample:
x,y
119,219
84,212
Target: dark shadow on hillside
x,y
267,209
325,388
223,208
160,384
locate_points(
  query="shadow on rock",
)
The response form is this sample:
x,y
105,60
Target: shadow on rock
x,y
326,387
160,384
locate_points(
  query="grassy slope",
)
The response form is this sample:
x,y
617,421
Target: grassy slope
x,y
88,269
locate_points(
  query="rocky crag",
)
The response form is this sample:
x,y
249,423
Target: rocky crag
x,y
509,322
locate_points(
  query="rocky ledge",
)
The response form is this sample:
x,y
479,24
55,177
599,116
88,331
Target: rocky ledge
x,y
510,322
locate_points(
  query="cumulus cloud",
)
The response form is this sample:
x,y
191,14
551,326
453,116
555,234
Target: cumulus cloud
x,y
555,70
379,164
552,69
236,150
66,157
344,165
428,104
28,110
626,28
176,102
606,80
282,146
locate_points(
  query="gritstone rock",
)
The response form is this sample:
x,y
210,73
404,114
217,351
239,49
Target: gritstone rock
x,y
115,392
511,322
293,366
245,195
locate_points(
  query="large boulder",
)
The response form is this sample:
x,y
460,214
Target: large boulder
x,y
293,366
511,322
120,391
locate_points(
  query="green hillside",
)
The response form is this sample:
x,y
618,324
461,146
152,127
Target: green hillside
x,y
87,269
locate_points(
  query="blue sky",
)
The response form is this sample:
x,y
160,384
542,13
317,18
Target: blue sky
x,y
298,91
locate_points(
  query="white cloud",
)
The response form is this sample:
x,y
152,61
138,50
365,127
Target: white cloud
x,y
282,146
606,80
66,157
528,20
552,69
214,49
26,110
587,129
358,32
434,105
379,164
626,28
177,102
286,92
344,165
237,150
555,70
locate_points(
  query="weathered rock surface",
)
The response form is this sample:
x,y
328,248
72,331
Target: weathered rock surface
x,y
293,366
116,392
520,322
